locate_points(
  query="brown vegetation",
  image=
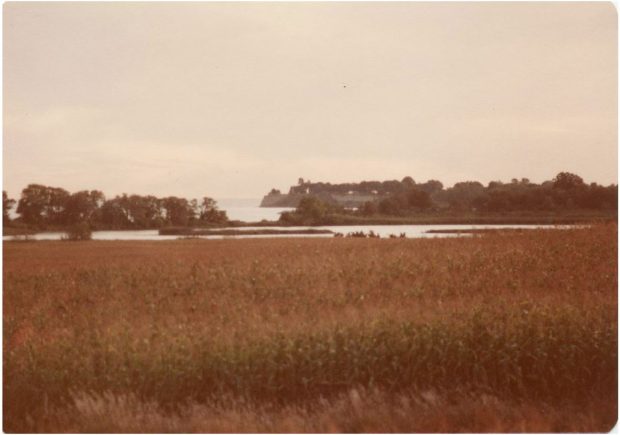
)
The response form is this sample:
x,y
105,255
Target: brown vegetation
x,y
504,332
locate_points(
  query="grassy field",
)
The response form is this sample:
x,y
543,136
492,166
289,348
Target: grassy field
x,y
500,332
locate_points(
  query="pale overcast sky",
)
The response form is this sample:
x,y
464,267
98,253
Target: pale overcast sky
x,y
232,99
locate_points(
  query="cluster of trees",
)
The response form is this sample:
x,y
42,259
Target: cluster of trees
x,y
400,203
566,192
310,210
44,206
380,188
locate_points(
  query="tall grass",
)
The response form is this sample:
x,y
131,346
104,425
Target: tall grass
x,y
283,328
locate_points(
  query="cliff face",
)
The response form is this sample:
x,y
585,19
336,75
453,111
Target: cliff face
x,y
292,200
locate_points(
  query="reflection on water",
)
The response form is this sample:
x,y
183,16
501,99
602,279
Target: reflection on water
x,y
411,231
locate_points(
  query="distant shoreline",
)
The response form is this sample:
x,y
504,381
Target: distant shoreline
x,y
234,232
343,220
347,220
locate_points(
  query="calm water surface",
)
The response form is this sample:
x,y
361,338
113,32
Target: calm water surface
x,y
411,231
248,210
254,214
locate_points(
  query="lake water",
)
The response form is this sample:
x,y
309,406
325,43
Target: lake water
x,y
254,213
411,231
247,210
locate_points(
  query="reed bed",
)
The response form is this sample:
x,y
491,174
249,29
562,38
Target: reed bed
x,y
501,332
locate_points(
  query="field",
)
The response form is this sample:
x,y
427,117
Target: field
x,y
499,332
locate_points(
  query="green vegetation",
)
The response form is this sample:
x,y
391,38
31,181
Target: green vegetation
x,y
296,335
565,199
79,231
43,207
311,211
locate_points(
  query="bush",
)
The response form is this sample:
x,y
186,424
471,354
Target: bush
x,y
80,231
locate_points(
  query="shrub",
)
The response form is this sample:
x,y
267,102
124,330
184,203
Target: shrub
x,y
79,231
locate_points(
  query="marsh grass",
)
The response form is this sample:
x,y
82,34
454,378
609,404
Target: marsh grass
x,y
503,332
357,410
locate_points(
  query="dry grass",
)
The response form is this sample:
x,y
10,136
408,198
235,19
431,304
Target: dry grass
x,y
505,332
357,410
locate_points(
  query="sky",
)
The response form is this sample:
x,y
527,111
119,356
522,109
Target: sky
x,y
231,99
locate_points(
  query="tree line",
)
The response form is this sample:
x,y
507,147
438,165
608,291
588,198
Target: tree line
x,y
566,192
45,207
365,187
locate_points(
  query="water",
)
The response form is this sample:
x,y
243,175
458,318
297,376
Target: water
x,y
248,210
411,231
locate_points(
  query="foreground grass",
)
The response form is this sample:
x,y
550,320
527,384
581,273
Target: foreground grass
x,y
506,332
358,410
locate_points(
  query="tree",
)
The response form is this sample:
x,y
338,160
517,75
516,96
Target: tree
x,y
81,206
408,182
32,203
368,208
494,201
208,212
463,194
114,214
431,186
391,186
177,211
144,211
598,197
389,206
419,199
312,207
402,203
42,205
567,181
57,202
77,232
310,210
7,204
